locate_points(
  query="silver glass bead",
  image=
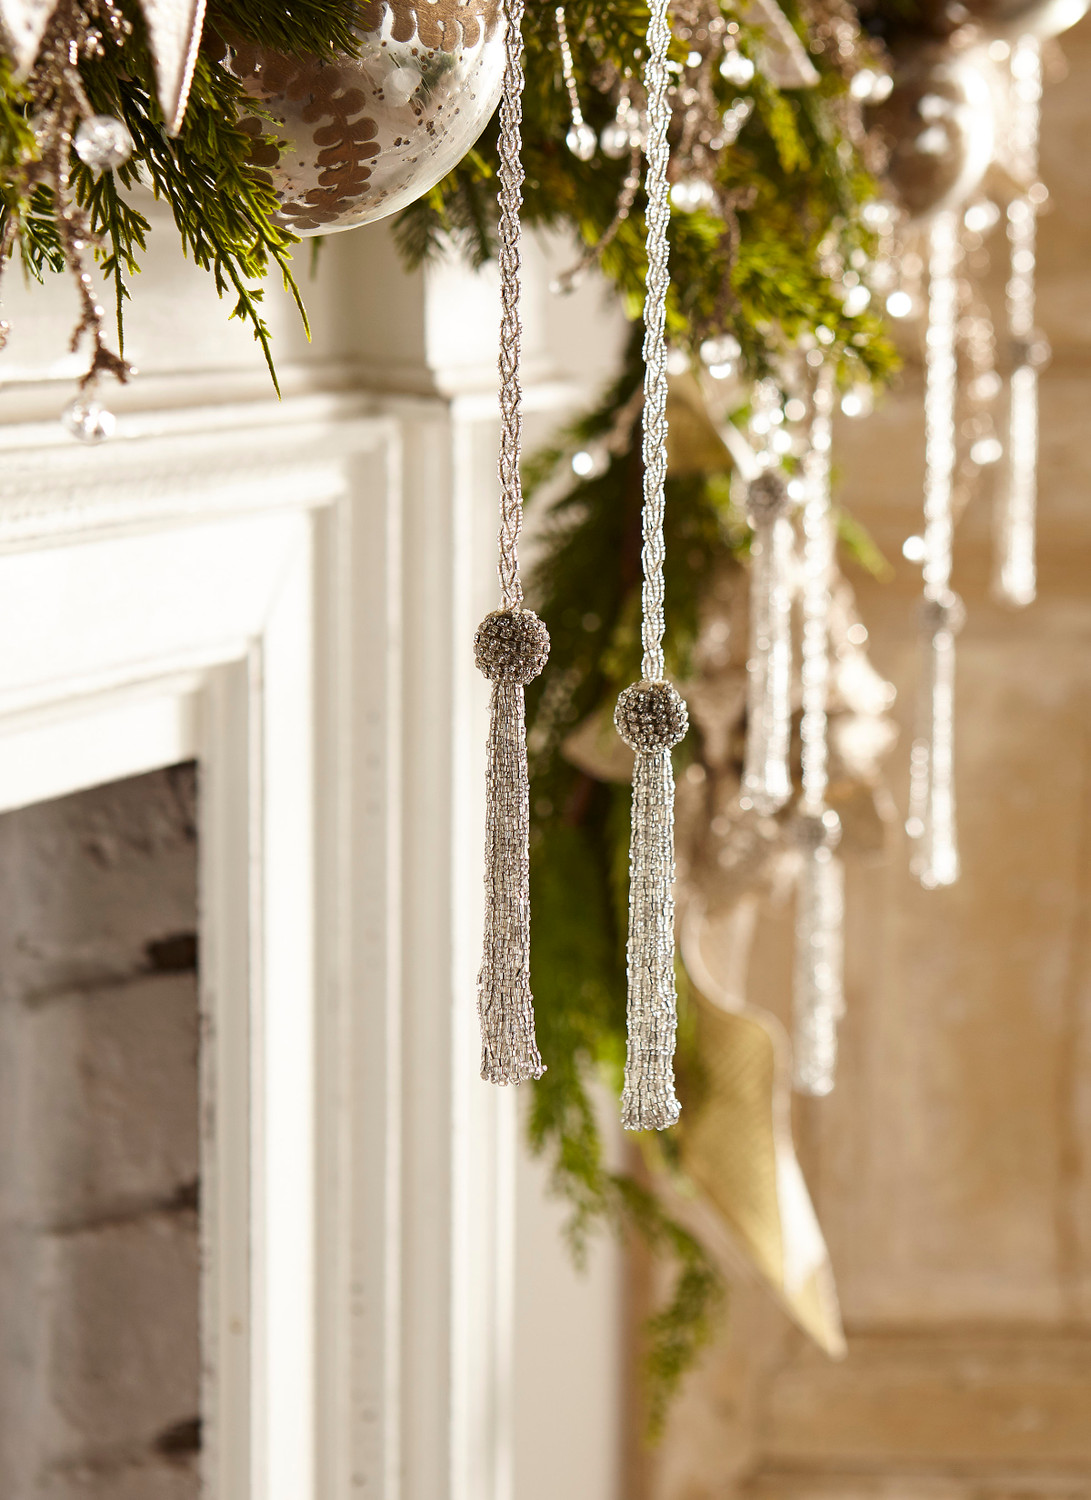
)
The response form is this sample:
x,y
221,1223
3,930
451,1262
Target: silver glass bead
x,y
89,420
103,143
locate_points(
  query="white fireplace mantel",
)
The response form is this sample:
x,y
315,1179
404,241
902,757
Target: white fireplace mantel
x,y
284,591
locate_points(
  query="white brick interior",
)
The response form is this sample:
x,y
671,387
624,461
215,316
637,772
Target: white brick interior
x,y
99,1288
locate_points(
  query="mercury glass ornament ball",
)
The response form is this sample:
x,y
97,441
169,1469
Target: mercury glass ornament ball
x,y
582,141
938,125
361,137
89,421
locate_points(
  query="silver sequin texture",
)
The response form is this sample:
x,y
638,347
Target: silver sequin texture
x,y
651,716
511,645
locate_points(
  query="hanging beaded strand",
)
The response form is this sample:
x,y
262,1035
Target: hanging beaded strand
x,y
931,818
1016,571
817,991
650,716
767,782
511,646
581,140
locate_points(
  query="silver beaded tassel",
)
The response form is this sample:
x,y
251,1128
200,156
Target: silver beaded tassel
x,y
817,991
510,647
931,818
767,782
1016,571
650,715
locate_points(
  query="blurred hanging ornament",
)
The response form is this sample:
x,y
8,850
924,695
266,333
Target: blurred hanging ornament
x,y
938,127
767,782
1015,579
581,140
931,819
625,131
510,647
361,137
817,990
650,716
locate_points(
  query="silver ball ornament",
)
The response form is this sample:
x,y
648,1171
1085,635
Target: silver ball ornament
x,y
359,138
582,141
511,645
938,124
651,716
615,140
103,143
89,421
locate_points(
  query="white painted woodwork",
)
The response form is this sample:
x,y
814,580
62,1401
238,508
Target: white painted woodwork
x,y
287,592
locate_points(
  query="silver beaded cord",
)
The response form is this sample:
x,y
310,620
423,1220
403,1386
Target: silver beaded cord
x,y
1016,580
817,990
510,647
931,818
650,716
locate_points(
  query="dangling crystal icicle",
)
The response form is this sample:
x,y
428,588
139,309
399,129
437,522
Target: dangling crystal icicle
x,y
767,782
817,991
510,647
651,716
932,793
1016,581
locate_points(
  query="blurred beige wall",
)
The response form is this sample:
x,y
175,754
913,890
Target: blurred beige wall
x,y
952,1166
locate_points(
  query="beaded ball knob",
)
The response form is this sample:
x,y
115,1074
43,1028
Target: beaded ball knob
x,y
767,498
816,830
651,716
511,645
946,613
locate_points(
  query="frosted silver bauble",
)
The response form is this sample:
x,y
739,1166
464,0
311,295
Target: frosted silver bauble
x,y
1016,18
361,137
938,125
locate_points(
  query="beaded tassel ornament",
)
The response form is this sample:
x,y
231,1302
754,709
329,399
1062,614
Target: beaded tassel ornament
x,y
767,782
1016,581
817,992
650,716
931,818
511,646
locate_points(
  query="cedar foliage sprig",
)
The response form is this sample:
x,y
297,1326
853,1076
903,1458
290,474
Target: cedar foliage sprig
x,y
222,207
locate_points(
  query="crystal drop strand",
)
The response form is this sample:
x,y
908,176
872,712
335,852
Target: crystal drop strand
x,y
932,796
650,715
510,648
581,140
767,781
817,991
1016,580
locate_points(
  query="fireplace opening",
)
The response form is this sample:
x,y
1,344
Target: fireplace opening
x,y
99,1273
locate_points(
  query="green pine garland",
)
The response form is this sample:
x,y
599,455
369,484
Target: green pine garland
x,y
793,185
